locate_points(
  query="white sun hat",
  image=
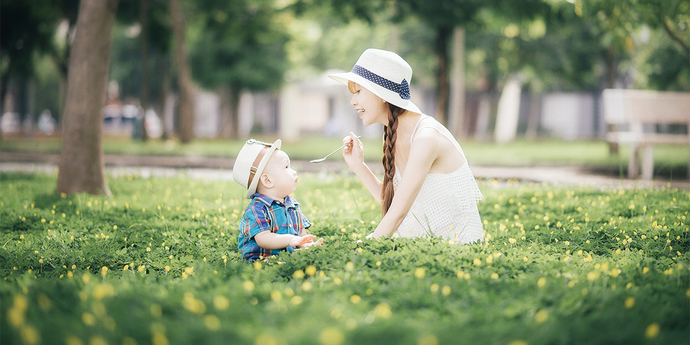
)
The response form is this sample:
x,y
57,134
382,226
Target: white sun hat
x,y
385,74
250,163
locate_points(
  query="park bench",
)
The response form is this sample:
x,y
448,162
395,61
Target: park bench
x,y
632,117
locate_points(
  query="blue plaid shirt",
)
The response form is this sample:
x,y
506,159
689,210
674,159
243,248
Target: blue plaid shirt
x,y
266,214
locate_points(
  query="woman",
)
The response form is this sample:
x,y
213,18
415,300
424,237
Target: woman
x,y
428,188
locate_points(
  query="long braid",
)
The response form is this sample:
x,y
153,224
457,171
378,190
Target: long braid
x,y
390,136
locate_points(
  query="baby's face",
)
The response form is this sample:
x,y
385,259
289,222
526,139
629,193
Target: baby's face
x,y
283,177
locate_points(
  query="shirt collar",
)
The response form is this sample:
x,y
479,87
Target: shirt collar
x,y
289,201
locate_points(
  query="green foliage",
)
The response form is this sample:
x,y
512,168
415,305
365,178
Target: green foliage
x,y
158,263
240,44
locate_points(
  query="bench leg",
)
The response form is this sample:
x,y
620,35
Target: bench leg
x,y
633,162
648,163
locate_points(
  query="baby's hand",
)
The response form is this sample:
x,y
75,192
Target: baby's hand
x,y
317,243
301,240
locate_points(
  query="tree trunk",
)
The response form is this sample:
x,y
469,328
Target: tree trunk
x,y
457,119
82,168
442,34
186,99
144,44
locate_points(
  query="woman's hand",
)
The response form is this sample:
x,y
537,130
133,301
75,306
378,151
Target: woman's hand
x,y
353,151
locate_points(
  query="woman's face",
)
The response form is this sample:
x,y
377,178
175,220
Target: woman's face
x,y
371,108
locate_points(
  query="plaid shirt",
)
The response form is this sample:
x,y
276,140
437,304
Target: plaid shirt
x,y
266,214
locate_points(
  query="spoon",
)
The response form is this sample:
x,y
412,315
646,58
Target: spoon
x,y
328,155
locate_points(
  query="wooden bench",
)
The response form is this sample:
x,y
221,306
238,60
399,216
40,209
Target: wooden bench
x,y
640,111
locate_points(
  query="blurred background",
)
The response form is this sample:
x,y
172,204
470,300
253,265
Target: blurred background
x,y
490,70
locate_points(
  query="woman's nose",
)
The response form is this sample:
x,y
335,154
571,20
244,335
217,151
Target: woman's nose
x,y
352,100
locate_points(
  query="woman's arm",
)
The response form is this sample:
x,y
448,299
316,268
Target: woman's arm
x,y
423,152
354,157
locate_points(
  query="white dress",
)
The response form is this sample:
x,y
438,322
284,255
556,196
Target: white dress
x,y
446,205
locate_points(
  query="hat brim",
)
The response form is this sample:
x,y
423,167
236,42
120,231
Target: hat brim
x,y
262,165
385,94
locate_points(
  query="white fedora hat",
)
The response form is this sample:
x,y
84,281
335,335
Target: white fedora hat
x,y
249,164
385,74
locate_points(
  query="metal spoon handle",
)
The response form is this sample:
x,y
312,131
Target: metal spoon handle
x,y
328,155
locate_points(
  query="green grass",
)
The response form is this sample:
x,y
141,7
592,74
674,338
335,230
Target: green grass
x,y
670,160
157,263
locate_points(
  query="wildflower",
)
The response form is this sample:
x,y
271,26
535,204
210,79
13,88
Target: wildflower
x,y
446,290
221,302
296,300
355,299
29,334
192,304
306,286
299,274
310,270
477,262
494,275
629,302
212,322
248,285
331,336
652,330
541,316
349,266
419,272
427,339
434,288
383,310
541,282
88,319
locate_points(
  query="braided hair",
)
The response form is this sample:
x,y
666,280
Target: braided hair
x,y
390,136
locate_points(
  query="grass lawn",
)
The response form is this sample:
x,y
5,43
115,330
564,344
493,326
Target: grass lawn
x,y
157,263
670,160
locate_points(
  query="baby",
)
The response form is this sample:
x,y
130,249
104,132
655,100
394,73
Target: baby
x,y
273,222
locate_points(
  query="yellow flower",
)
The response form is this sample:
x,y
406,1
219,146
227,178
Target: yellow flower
x,y
477,262
88,319
306,286
296,300
355,299
383,310
541,282
212,322
248,285
629,302
419,272
221,302
494,275
652,330
541,316
299,274
434,288
310,270
331,336
446,290
427,339
349,266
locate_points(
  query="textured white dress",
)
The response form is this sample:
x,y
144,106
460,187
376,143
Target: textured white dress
x,y
446,205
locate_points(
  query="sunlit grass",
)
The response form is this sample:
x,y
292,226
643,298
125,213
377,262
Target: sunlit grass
x,y
669,159
157,263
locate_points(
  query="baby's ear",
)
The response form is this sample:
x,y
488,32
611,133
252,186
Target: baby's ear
x,y
266,181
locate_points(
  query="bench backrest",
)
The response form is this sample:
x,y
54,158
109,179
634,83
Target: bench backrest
x,y
642,106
